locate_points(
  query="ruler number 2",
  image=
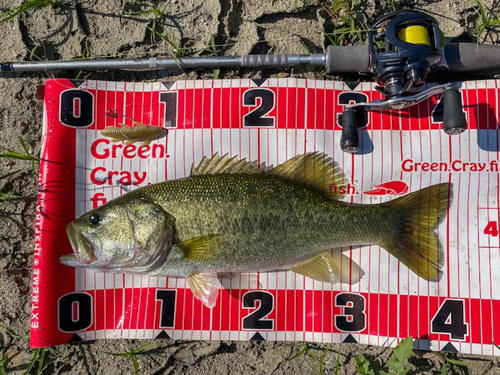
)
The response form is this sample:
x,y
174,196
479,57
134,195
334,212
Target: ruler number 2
x,y
259,117
256,319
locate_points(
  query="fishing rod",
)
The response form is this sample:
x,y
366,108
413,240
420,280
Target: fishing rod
x,y
403,49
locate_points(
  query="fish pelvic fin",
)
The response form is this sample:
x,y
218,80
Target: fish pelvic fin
x,y
317,170
321,268
416,244
205,287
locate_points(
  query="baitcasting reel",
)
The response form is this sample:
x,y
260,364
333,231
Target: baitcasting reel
x,y
405,47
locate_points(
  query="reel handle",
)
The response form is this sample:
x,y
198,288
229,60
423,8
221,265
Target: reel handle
x,y
349,141
453,116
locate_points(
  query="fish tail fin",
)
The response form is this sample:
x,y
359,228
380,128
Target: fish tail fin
x,y
416,244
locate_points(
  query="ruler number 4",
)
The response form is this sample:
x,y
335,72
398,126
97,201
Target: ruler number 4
x,y
450,319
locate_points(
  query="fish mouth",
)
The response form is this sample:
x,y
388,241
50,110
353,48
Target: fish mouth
x,y
83,249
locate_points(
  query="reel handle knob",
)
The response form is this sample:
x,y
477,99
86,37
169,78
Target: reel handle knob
x,y
349,141
453,116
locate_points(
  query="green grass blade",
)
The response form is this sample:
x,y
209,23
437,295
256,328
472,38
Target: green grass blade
x,y
296,355
444,369
312,355
17,11
40,362
457,362
481,11
15,155
4,359
32,363
337,364
134,361
11,154
25,148
6,197
25,7
339,5
10,332
496,346
141,348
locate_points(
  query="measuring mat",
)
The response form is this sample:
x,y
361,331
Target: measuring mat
x,y
269,122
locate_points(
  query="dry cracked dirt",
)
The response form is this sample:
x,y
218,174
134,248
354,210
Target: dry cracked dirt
x,y
99,29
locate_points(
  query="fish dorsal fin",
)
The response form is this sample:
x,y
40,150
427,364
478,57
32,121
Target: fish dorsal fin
x,y
321,268
224,164
317,170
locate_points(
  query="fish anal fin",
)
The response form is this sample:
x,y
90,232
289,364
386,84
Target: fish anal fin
x,y
351,273
316,170
205,287
124,125
146,143
202,249
321,268
224,164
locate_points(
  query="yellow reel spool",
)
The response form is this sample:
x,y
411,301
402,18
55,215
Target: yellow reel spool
x,y
415,35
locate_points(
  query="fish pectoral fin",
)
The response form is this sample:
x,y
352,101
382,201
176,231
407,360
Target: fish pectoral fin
x,y
205,287
124,125
146,143
321,268
130,142
202,249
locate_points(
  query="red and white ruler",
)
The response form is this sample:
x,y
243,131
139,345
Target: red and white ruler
x,y
270,121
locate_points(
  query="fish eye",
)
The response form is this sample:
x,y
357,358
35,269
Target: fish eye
x,y
94,219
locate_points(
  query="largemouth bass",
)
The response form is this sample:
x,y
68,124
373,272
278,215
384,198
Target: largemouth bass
x,y
231,216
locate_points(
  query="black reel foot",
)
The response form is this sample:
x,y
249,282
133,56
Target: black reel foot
x,y
349,142
453,116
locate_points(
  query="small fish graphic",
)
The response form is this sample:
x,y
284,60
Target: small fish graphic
x,y
231,216
131,134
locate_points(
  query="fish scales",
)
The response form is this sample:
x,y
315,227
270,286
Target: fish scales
x,y
264,218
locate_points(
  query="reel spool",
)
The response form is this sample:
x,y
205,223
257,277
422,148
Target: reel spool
x,y
405,47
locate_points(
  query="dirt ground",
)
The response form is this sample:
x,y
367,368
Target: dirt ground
x,y
99,28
